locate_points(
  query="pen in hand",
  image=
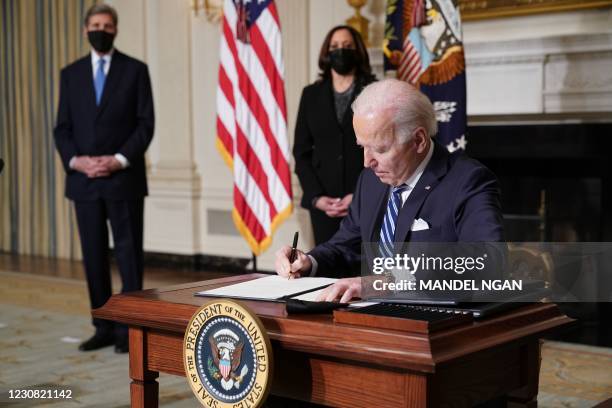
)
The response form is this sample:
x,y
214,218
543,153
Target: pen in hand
x,y
293,253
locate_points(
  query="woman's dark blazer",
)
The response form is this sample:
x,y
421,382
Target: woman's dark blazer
x,y
327,158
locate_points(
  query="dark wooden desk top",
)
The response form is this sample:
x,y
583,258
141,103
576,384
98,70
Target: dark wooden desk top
x,y
169,309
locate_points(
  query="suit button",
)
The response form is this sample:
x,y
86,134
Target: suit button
x,y
340,157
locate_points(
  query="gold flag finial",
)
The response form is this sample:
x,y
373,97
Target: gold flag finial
x,y
359,22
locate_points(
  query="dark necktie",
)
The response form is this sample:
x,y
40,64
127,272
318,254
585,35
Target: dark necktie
x,y
387,229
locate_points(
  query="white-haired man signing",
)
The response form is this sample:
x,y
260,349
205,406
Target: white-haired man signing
x,y
412,189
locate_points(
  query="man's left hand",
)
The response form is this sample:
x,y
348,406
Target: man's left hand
x,y
344,204
344,289
340,207
110,163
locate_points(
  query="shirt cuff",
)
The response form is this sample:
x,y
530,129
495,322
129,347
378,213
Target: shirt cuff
x,y
122,159
315,265
71,162
313,202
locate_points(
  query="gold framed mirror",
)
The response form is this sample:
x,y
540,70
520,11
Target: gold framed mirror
x,y
484,9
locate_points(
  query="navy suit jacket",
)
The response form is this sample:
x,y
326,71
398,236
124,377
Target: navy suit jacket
x,y
456,195
122,123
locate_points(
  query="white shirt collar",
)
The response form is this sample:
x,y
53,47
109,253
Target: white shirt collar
x,y
107,58
416,175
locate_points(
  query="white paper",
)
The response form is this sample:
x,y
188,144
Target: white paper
x,y
362,304
268,288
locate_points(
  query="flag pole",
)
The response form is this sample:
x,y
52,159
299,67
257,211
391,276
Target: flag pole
x,y
254,259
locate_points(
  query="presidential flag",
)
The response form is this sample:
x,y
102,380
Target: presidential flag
x,y
423,45
252,118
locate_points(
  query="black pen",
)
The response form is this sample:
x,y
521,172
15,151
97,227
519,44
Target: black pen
x,y
293,253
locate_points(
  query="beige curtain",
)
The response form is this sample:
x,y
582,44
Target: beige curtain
x,y
37,38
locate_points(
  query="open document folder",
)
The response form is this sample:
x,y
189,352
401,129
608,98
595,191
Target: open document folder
x,y
272,288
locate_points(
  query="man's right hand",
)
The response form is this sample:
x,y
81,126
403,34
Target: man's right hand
x,y
90,166
299,267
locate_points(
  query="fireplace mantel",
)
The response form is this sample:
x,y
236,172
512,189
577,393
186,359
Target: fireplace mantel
x,y
552,75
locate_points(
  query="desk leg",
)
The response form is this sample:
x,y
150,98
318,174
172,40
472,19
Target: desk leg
x,y
527,396
144,389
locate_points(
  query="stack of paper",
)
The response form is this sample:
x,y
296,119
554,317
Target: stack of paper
x,y
272,287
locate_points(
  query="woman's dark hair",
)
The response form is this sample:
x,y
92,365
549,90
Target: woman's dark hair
x,y
363,70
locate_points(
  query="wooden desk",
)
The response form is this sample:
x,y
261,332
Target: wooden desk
x,y
343,365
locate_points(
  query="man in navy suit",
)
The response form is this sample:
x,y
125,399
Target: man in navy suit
x,y
411,190
105,123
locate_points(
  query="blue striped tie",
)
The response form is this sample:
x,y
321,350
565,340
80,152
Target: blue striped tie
x,y
387,230
99,80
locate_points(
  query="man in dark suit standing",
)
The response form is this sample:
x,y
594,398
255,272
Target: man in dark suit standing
x,y
105,123
412,189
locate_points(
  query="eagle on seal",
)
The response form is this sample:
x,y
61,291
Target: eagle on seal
x,y
225,359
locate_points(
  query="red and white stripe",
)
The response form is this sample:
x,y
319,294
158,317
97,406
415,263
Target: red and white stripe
x,y
410,66
252,125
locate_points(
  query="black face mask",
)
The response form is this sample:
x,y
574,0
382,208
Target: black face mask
x,y
101,41
343,60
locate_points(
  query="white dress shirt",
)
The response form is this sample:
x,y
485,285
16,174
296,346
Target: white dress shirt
x,y
414,178
95,57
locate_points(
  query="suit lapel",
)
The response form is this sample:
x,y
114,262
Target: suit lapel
x,y
347,122
435,170
87,84
114,76
327,105
381,193
347,119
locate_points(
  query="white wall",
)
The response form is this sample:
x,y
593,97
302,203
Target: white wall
x,y
325,14
539,26
188,210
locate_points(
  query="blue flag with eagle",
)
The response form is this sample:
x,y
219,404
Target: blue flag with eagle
x,y
423,45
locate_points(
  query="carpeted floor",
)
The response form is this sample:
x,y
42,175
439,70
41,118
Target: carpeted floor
x,y
573,375
43,319
39,346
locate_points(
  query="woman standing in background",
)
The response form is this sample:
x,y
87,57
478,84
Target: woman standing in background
x,y
327,158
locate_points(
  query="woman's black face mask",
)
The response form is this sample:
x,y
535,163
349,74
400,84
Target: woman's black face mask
x,y
343,60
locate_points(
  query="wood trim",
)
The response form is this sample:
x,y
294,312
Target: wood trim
x,y
527,395
479,10
144,389
416,391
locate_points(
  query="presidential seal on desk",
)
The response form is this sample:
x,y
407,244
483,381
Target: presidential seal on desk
x,y
227,356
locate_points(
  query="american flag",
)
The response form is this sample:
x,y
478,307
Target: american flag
x,y
252,118
410,66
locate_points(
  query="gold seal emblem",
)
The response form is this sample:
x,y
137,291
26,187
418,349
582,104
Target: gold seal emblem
x,y
227,356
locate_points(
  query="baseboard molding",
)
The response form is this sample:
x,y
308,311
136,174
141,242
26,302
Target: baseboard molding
x,y
198,262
